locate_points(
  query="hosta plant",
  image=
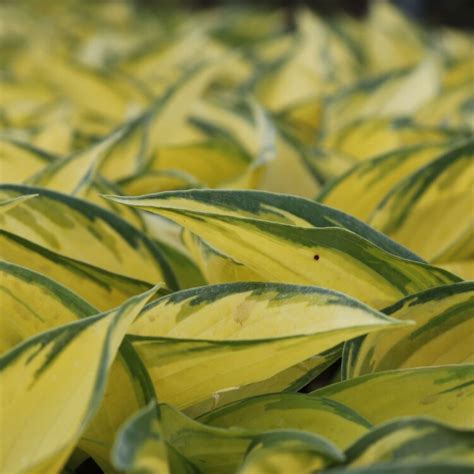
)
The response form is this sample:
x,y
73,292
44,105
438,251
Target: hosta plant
x,y
234,243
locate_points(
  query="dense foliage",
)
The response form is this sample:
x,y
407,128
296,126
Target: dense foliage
x,y
231,242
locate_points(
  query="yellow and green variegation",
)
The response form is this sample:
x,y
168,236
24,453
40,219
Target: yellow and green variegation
x,y
393,447
287,451
161,439
444,392
409,212
244,332
443,334
303,255
22,317
79,230
19,159
401,441
7,204
296,411
372,179
99,287
28,371
32,303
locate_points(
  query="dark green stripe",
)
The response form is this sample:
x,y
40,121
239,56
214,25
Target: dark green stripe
x,y
132,236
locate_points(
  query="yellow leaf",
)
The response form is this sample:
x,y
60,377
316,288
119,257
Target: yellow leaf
x,y
198,342
43,424
79,230
443,335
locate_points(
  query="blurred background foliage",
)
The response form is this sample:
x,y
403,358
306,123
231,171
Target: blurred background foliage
x,y
455,13
458,13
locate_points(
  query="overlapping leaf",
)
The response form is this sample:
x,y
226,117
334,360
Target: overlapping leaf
x,y
443,334
99,287
370,180
444,392
79,230
394,447
198,342
408,211
160,437
304,255
44,425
